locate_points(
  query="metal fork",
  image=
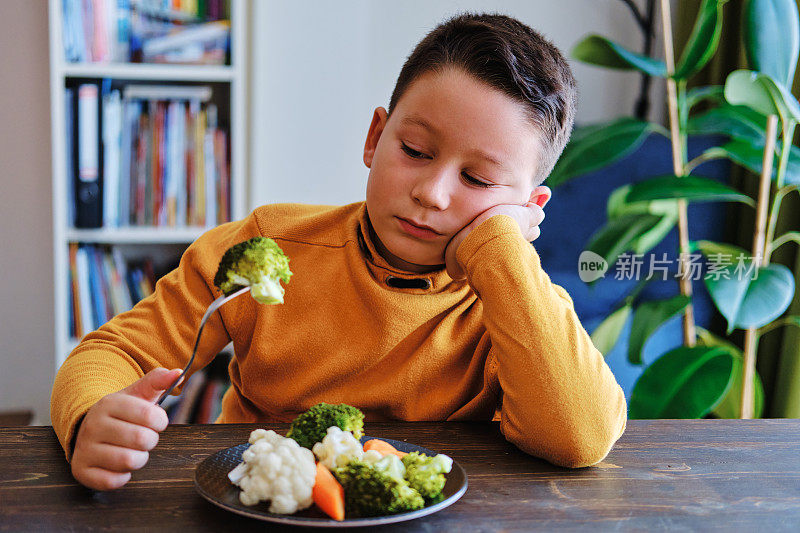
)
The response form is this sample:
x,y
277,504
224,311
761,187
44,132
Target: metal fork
x,y
216,304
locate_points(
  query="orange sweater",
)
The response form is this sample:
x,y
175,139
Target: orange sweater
x,y
505,340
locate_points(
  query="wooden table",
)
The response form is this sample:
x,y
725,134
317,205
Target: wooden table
x,y
731,475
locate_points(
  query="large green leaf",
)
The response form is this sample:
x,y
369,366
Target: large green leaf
x,y
729,407
762,93
749,300
703,41
691,188
682,383
771,36
739,122
598,50
650,316
597,146
615,238
606,334
668,209
751,156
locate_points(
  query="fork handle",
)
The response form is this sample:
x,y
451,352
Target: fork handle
x,y
216,304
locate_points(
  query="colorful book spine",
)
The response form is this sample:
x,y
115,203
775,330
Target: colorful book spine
x,y
77,329
112,146
84,291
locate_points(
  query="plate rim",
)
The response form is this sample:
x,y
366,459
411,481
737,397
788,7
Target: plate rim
x,y
330,522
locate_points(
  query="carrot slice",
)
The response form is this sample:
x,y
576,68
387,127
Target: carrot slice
x,y
383,447
328,493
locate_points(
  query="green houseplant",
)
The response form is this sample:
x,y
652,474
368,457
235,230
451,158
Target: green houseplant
x,y
707,374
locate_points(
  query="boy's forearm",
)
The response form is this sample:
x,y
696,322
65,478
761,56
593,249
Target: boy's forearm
x,y
560,400
83,379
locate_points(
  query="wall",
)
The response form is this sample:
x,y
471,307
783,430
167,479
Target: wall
x,y
319,69
26,319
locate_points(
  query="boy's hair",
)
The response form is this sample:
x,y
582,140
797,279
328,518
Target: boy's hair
x,y
508,56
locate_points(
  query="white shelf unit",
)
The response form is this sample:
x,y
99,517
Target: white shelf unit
x,y
163,243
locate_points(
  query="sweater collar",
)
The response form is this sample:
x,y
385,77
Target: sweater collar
x,y
419,283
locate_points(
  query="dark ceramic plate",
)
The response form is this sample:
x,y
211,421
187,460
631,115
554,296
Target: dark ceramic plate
x,y
211,481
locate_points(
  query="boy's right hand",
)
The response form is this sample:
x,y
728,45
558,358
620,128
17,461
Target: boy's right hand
x,y
119,430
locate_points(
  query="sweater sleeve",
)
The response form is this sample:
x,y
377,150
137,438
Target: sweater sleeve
x,y
560,400
160,330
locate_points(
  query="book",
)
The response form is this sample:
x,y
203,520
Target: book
x,y
112,146
77,327
199,167
210,171
88,209
121,270
99,291
131,112
72,34
202,44
223,183
84,291
69,119
99,32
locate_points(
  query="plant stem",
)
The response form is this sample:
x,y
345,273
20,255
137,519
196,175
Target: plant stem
x,y
678,136
783,239
750,336
708,155
787,133
775,324
646,25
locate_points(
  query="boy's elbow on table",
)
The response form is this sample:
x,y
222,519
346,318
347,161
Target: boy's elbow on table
x,y
578,446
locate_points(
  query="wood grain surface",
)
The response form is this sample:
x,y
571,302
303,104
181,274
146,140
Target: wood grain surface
x,y
732,475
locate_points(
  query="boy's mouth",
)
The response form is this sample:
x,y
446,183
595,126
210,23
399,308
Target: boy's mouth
x,y
414,229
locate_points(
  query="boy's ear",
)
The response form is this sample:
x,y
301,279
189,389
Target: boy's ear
x,y
540,195
375,129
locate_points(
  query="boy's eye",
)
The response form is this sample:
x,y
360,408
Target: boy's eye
x,y
475,182
411,152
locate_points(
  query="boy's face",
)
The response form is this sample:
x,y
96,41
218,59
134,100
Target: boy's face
x,y
431,164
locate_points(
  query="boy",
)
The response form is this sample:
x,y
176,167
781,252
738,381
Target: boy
x,y
426,302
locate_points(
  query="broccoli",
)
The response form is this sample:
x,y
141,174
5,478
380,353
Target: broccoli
x,y
258,263
370,490
312,426
426,474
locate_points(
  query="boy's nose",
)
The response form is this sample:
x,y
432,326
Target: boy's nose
x,y
433,191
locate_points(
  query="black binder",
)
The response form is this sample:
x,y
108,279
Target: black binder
x,y
88,187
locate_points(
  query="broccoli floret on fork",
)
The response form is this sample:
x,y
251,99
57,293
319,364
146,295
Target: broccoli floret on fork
x,y
258,263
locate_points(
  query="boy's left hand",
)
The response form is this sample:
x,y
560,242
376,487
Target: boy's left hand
x,y
528,216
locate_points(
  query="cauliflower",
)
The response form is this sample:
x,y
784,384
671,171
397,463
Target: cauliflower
x,y
339,447
278,469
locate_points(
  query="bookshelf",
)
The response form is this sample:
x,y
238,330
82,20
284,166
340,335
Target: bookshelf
x,y
162,243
